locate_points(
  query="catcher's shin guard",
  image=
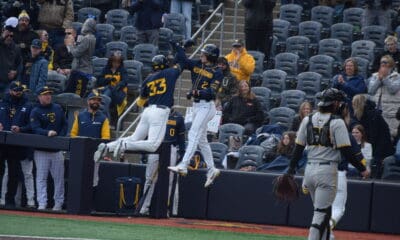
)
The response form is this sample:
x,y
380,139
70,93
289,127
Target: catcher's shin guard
x,y
322,225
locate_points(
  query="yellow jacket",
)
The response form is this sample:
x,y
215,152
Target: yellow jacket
x,y
242,66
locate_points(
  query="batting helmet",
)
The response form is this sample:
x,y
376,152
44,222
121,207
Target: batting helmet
x,y
159,62
211,51
331,95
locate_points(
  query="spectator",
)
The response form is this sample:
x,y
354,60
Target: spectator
x,y
148,18
241,63
113,83
48,119
82,51
14,116
13,8
244,109
376,129
304,109
377,12
24,35
10,54
228,85
92,123
384,85
62,57
35,69
258,25
391,50
55,16
47,50
359,135
185,8
349,81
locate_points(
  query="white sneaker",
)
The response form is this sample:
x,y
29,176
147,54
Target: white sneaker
x,y
41,207
57,207
31,203
2,202
100,152
180,168
145,212
211,175
119,150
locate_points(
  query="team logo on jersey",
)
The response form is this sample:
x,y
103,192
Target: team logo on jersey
x,y
171,122
51,117
202,72
12,112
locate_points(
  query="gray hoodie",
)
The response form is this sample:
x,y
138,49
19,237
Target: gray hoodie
x,y
84,49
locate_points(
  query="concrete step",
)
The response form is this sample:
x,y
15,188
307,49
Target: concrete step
x,y
230,11
231,19
227,35
228,27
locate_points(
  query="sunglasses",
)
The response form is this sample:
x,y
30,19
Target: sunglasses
x,y
10,36
68,33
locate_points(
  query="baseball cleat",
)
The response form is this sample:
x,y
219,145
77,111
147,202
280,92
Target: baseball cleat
x,y
212,174
180,168
119,150
100,152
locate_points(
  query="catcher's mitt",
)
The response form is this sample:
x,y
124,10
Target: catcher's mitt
x,y
286,188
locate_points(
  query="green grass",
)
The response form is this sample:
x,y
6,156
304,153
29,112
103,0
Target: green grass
x,y
51,227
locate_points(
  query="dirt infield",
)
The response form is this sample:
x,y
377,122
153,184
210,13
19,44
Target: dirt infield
x,y
210,225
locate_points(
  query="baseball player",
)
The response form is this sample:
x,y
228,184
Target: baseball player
x,y
48,119
92,123
206,78
158,91
175,133
326,138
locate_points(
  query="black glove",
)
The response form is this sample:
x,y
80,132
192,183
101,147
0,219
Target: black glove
x,y
108,80
189,43
291,171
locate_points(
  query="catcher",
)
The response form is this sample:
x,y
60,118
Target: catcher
x,y
326,138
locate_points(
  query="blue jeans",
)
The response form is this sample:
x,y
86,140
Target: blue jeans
x,y
184,7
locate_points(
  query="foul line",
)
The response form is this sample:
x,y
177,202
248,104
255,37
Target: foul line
x,y
52,238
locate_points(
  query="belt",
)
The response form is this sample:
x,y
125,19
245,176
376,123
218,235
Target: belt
x,y
321,163
161,106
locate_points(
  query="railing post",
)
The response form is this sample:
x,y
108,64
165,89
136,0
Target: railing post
x,y
234,19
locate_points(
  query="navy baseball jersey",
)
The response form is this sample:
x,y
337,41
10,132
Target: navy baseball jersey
x,y
175,132
159,87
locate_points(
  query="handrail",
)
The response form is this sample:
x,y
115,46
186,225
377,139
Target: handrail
x,y
204,39
237,2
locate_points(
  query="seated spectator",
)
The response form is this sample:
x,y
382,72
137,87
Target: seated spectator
x,y
34,74
241,63
359,135
377,12
228,85
304,109
113,83
384,85
63,58
47,51
376,129
391,50
350,81
244,109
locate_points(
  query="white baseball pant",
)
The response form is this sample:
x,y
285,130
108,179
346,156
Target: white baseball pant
x,y
152,124
203,112
339,204
26,166
53,162
151,180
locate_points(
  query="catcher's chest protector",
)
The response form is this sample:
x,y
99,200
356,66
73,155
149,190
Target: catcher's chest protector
x,y
319,136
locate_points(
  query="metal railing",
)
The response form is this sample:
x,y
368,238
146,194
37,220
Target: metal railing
x,y
237,2
218,12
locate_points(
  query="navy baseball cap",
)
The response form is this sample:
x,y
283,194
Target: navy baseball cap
x,y
237,43
94,94
36,43
16,86
45,90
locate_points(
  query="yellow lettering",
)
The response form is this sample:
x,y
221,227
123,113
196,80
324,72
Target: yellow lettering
x,y
156,87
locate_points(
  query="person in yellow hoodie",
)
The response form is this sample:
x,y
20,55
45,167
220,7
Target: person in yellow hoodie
x,y
241,63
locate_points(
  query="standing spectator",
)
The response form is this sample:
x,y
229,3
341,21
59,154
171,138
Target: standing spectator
x,y
13,8
82,51
62,57
14,116
258,25
228,85
244,109
35,69
384,85
48,119
24,35
148,18
241,63
349,81
376,129
55,16
304,109
391,50
377,13
10,54
47,50
184,7
92,123
113,83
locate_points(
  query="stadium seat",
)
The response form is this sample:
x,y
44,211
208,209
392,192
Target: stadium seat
x,y
117,46
256,77
176,22
275,80
144,53
354,17
323,15
291,13
281,31
56,81
98,66
164,45
83,14
299,45
250,152
323,65
363,67
134,69
310,83
312,30
377,34
105,31
119,19
219,151
129,36
263,94
293,99
282,116
288,62
343,32
364,49
229,129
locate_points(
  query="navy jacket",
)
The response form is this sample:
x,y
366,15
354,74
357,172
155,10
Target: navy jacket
x,y
148,13
352,86
15,111
91,125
